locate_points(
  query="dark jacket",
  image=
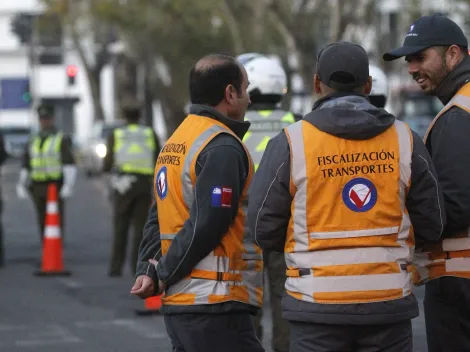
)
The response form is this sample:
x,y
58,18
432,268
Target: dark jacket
x,y
223,161
450,151
269,209
3,152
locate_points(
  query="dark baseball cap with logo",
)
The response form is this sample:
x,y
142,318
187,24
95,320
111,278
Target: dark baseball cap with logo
x,y
343,66
428,31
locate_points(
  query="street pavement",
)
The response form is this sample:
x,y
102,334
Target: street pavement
x,y
87,311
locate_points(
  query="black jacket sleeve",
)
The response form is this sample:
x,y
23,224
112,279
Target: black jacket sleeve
x,y
150,247
425,202
3,152
67,152
222,163
450,151
25,162
108,160
269,206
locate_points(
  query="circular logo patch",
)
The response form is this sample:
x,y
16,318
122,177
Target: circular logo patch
x,y
162,183
360,195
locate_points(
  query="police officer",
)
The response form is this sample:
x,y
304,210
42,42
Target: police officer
x,y
379,92
267,87
131,159
48,158
346,193
209,268
436,51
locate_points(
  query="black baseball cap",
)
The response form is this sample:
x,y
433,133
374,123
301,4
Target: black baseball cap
x,y
46,111
343,66
428,31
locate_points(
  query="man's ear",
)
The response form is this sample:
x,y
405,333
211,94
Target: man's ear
x,y
453,56
230,94
368,86
316,84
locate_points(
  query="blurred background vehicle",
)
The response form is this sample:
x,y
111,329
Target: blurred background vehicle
x,y
94,149
15,138
415,108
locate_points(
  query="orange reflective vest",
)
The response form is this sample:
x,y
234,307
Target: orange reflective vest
x,y
234,270
451,257
349,239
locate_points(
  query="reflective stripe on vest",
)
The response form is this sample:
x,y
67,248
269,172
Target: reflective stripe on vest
x,y
451,257
349,239
45,161
134,149
265,124
230,272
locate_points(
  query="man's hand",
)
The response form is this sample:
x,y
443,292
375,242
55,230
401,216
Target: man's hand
x,y
144,287
161,285
66,191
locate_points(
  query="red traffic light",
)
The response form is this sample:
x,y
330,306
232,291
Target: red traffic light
x,y
72,70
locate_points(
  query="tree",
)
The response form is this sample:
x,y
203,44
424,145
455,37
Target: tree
x,y
91,37
170,36
167,37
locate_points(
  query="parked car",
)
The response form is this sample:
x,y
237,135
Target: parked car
x,y
95,150
417,109
16,138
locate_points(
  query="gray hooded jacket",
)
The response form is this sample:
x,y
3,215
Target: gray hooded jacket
x,y
269,211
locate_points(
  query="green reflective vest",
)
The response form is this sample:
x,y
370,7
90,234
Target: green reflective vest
x,y
45,160
265,124
134,150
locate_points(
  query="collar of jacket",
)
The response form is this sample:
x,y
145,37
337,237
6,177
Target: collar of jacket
x,y
454,81
341,100
237,127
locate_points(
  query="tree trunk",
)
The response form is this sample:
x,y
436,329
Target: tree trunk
x,y
94,82
93,76
148,98
233,28
173,113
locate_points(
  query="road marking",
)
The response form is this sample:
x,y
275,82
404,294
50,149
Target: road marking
x,y
13,327
30,336
38,342
131,325
70,283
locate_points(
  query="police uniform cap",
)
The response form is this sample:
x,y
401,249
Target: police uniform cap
x,y
45,111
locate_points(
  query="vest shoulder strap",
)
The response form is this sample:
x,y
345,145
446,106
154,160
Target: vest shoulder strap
x,y
461,100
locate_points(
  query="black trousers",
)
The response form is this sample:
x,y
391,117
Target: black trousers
x,y
275,265
309,337
130,208
447,314
231,332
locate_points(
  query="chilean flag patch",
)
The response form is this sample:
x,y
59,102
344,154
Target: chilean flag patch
x,y
221,197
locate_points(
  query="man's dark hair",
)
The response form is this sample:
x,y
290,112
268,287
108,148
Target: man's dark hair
x,y
211,75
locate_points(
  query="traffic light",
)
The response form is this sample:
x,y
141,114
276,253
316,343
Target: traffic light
x,y
72,71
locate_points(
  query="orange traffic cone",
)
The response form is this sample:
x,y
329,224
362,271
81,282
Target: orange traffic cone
x,y
152,306
52,262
